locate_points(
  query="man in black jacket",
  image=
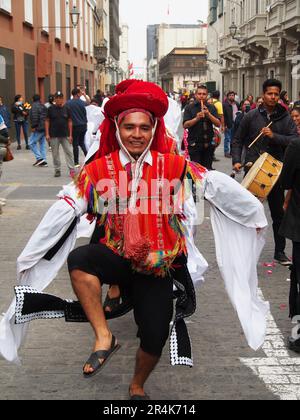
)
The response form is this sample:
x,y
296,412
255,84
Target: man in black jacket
x,y
200,118
274,141
37,141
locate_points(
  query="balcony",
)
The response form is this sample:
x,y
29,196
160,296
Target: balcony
x,y
100,53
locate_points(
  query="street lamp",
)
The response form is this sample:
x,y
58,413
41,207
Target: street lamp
x,y
233,30
75,14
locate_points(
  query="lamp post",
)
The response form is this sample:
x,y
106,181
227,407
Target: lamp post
x,y
75,15
233,30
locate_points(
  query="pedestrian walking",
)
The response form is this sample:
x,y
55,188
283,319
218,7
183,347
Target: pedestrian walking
x,y
50,102
231,107
200,119
274,141
59,132
250,98
20,114
77,108
37,141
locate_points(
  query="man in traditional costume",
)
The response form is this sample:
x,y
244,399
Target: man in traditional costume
x,y
132,188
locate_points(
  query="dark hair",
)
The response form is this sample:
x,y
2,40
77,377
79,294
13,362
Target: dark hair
x,y
51,98
17,97
296,108
272,83
230,93
96,101
202,87
36,97
216,94
282,95
75,92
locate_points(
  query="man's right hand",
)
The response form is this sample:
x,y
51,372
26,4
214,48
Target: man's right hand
x,y
237,167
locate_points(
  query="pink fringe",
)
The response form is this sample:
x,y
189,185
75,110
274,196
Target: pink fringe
x,y
136,247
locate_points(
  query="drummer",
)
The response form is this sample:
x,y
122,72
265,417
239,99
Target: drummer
x,y
274,141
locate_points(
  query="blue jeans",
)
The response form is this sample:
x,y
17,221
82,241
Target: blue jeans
x,y
228,140
24,125
40,152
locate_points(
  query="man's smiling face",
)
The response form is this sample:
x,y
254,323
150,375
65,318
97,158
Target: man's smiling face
x,y
136,133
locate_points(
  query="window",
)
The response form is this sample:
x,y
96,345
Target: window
x,y
45,15
5,5
28,11
67,19
57,20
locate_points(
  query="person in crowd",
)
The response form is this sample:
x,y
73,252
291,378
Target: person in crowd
x,y
250,98
95,118
20,115
83,95
4,112
274,141
200,119
99,97
50,101
4,143
290,228
231,108
37,141
259,101
296,117
245,107
284,100
297,103
77,108
59,132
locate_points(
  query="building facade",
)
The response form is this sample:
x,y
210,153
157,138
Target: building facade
x,y
183,69
40,51
163,38
257,40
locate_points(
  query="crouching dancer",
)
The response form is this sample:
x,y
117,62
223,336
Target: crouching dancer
x,y
132,188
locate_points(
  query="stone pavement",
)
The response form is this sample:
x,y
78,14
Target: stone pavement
x,y
54,353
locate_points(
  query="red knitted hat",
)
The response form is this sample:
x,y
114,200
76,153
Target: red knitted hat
x,y
134,94
138,94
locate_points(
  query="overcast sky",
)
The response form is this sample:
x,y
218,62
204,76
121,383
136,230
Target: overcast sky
x,y
140,13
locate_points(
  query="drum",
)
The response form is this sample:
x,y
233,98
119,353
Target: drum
x,y
263,176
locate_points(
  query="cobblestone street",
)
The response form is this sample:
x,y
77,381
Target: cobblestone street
x,y
54,353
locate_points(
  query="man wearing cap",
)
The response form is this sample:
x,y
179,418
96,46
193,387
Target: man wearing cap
x,y
133,188
59,130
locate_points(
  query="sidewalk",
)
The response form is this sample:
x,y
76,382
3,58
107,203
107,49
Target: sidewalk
x,y
53,356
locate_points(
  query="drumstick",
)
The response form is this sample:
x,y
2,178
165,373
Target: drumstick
x,y
259,136
235,172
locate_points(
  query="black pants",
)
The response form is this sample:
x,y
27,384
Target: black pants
x,y
203,155
152,296
296,260
295,282
276,202
79,133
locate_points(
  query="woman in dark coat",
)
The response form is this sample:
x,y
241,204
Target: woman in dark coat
x,y
290,228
